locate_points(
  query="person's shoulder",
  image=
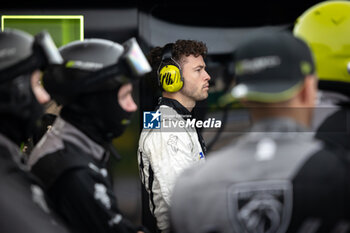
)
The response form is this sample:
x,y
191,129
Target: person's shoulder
x,y
326,154
150,139
325,163
5,154
208,172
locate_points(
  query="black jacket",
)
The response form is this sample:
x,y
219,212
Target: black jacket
x,y
73,170
334,126
22,203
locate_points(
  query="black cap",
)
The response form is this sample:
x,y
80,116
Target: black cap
x,y
271,67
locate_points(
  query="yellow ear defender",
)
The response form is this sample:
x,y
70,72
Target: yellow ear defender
x,y
169,72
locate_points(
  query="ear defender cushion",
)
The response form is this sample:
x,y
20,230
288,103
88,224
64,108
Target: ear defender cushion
x,y
170,78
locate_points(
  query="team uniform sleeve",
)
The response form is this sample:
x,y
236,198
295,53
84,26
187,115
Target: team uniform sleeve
x,y
88,203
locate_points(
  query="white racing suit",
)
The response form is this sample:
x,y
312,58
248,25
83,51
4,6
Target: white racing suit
x,y
164,154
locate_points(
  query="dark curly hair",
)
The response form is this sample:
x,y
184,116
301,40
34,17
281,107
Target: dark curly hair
x,y
181,50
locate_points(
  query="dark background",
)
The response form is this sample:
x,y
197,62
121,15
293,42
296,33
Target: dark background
x,y
220,24
217,13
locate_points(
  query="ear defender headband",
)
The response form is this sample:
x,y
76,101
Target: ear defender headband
x,y
169,72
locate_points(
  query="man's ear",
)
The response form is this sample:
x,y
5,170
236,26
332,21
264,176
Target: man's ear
x,y
308,93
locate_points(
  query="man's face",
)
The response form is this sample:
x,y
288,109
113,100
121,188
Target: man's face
x,y
125,98
39,92
196,79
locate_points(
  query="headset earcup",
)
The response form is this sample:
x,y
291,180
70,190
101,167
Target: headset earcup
x,y
170,78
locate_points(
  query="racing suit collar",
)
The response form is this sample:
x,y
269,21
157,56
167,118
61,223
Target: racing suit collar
x,y
179,108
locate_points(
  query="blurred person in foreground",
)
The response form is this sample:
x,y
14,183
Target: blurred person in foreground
x,y
94,86
276,178
23,206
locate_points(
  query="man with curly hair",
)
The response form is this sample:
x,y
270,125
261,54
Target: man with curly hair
x,y
173,145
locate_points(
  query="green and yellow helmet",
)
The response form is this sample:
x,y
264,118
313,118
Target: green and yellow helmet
x,y
326,29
